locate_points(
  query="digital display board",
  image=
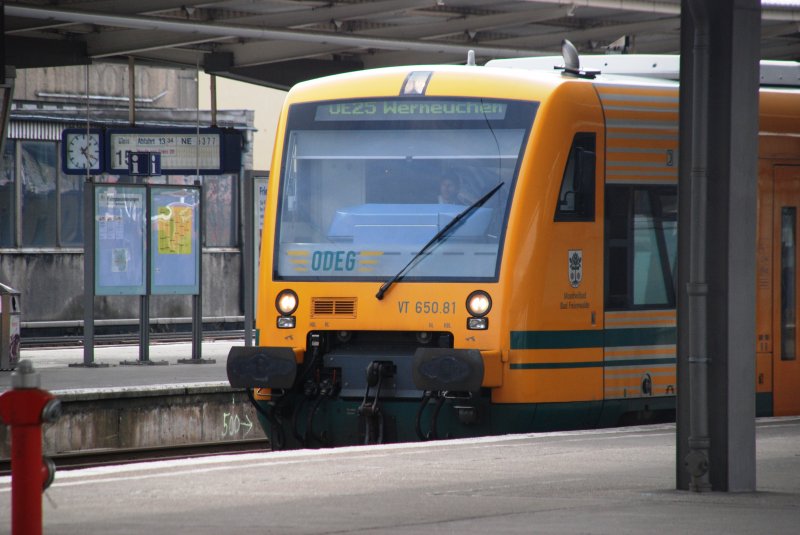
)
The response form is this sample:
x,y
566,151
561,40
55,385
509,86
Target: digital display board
x,y
181,150
178,151
412,110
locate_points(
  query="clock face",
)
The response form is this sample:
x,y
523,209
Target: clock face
x,y
82,151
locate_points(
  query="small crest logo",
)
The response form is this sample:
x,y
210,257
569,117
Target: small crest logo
x,y
575,257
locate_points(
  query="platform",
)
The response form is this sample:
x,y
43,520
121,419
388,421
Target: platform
x,y
57,374
139,406
605,481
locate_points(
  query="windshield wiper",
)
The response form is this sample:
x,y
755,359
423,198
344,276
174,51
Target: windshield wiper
x,y
436,238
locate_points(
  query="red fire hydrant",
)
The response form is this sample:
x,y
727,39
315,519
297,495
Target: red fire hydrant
x,y
25,408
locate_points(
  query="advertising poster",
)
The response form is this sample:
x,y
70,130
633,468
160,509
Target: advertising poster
x,y
120,232
175,240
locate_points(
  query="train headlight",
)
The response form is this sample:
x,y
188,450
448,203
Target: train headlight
x,y
479,303
286,302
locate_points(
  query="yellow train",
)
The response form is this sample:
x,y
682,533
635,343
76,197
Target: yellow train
x,y
455,251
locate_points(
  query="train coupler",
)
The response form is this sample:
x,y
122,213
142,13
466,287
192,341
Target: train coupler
x,y
467,414
370,410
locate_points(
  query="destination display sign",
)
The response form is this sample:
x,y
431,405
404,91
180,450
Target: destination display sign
x,y
412,110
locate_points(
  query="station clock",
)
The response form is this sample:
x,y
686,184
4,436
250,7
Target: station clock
x,y
82,150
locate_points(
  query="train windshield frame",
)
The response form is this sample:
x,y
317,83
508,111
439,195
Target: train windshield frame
x,y
364,184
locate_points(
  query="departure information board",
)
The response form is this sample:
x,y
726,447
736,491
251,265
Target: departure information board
x,y
182,150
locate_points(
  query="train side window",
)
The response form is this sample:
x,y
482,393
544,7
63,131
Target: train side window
x,y
576,198
641,244
788,286
649,256
618,250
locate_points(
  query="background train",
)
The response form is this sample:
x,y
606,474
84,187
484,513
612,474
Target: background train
x,y
459,251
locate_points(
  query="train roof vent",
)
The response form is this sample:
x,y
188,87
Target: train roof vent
x,y
333,307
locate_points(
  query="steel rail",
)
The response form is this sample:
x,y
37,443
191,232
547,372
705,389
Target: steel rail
x,y
118,456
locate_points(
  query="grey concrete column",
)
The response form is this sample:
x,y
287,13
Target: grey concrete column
x,y
682,416
731,245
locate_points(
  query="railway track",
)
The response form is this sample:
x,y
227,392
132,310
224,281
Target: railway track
x,y
106,457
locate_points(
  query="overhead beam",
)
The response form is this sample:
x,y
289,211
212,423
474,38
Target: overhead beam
x,y
128,7
127,42
286,74
256,53
119,7
134,41
471,23
782,52
776,30
667,8
663,25
316,15
150,23
171,57
390,59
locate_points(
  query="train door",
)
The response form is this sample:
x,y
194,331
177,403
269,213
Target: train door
x,y
785,304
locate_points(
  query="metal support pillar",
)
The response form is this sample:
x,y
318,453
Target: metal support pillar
x,y
144,300
197,300
197,303
131,91
88,273
213,88
248,253
717,277
144,305
89,254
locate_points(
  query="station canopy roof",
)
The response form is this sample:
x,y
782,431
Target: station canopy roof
x,y
278,43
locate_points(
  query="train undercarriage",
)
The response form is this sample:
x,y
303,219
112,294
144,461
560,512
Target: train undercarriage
x,y
387,387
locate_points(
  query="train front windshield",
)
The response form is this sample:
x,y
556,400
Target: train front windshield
x,y
366,184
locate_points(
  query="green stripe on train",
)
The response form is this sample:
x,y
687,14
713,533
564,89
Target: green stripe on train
x,y
594,364
652,336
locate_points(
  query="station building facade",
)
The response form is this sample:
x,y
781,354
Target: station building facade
x,y
41,208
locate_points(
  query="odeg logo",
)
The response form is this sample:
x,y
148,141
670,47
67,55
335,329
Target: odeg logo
x,y
575,267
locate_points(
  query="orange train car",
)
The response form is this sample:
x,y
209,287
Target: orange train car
x,y
455,251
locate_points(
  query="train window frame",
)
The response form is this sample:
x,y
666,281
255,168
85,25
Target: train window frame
x,y
305,113
576,197
620,244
